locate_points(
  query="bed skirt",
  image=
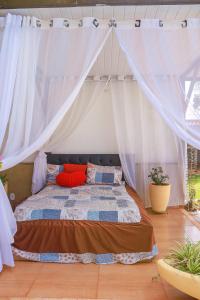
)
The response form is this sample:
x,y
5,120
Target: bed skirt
x,y
86,258
75,241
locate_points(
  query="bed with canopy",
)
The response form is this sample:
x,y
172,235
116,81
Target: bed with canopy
x,y
44,66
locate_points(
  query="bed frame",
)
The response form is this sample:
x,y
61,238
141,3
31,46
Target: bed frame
x,y
129,237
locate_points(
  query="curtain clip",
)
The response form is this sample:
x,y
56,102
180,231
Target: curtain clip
x,y
66,23
51,23
160,23
184,24
112,23
38,23
80,24
137,23
95,23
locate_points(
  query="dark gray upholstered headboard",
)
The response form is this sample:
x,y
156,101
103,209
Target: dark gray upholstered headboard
x,y
98,159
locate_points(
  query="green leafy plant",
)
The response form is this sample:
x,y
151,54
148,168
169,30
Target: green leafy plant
x,y
193,203
185,257
190,204
158,177
192,193
3,179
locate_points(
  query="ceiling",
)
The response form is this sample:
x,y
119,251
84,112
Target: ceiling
x,y
73,3
111,61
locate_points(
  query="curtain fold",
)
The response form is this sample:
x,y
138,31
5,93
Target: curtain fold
x,y
51,73
10,46
89,94
145,141
43,78
166,63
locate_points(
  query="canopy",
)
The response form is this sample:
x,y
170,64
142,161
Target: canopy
x,y
43,66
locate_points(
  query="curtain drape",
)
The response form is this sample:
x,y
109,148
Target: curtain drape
x,y
90,92
145,141
43,66
166,63
9,51
53,61
51,78
10,45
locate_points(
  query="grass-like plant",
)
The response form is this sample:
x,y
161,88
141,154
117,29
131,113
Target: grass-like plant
x,y
185,257
157,176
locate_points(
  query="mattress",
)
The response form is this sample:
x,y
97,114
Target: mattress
x,y
89,202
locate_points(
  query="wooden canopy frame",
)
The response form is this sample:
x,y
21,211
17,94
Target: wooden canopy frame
x,y
11,4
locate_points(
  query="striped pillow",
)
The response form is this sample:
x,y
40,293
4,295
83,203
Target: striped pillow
x,y
104,174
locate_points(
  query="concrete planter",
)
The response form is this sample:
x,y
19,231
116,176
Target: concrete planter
x,y
185,282
159,196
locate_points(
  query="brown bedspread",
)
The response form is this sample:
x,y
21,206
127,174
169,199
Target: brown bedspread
x,y
69,236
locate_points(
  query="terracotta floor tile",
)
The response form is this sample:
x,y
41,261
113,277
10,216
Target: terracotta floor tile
x,y
63,289
129,281
14,288
128,291
27,298
69,272
69,280
22,271
174,294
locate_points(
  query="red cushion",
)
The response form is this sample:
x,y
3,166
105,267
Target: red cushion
x,y
71,179
69,168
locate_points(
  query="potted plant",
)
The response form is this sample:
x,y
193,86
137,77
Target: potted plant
x,y
4,179
182,268
193,204
159,190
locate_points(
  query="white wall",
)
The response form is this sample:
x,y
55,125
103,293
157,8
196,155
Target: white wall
x,y
95,133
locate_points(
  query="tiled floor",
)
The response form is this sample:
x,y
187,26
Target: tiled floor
x,y
138,282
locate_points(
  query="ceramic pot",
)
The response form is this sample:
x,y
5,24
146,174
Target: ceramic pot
x,y
159,196
185,282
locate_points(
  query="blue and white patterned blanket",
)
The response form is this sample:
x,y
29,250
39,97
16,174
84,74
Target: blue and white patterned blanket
x,y
88,202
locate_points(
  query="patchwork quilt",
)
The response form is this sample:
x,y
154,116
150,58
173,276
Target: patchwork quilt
x,y
88,202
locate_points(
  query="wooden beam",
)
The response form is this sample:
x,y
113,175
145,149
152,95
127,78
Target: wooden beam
x,y
13,4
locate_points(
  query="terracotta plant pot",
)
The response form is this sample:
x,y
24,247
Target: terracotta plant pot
x,y
159,196
185,282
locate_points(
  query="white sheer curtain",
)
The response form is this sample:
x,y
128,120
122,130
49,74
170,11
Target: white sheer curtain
x,y
10,42
7,230
10,45
145,141
52,63
166,63
90,92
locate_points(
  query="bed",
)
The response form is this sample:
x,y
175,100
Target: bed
x,y
88,224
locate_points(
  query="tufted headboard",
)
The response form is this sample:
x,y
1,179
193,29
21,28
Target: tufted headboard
x,y
98,159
